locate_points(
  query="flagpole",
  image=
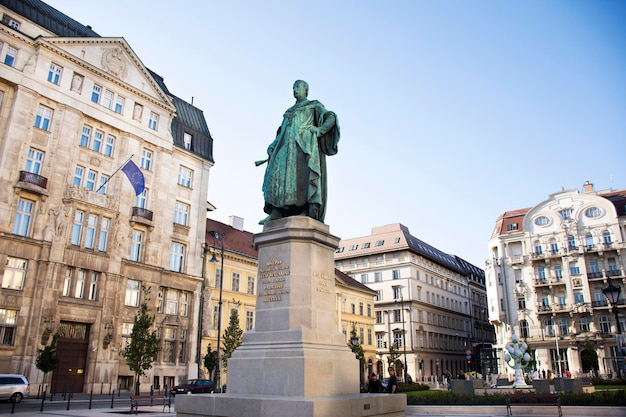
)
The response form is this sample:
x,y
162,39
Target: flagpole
x,y
121,166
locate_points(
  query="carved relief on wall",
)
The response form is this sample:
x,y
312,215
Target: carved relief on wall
x,y
113,62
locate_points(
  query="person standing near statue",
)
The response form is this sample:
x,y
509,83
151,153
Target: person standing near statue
x,y
295,176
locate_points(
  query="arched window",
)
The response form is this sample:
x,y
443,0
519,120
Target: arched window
x,y
589,240
606,237
571,242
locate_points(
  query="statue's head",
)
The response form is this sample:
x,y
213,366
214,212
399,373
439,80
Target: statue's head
x,y
304,84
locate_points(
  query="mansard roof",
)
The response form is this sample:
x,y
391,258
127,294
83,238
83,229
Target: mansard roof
x,y
351,282
50,18
235,240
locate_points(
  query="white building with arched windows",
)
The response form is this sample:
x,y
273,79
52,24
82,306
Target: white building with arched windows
x,y
547,270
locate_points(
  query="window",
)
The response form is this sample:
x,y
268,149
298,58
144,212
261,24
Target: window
x,y
215,316
366,245
380,242
511,227
521,303
558,272
397,293
378,276
107,99
140,199
542,221
250,289
592,212
132,293
136,246
171,302
54,74
524,329
8,326
184,176
605,324
14,273
397,339
77,228
169,344
364,278
127,331
146,159
181,213
541,273
187,138
96,92
574,269
9,58
538,248
78,176
567,213
92,177
579,297
249,320
571,242
589,241
369,310
90,235
235,282
93,286
396,274
182,349
606,237
583,324
85,136
564,327
554,247
34,161
96,144
109,146
397,316
361,308
218,278
153,122
7,20
119,104
67,284
43,118
184,303
177,256
80,284
21,224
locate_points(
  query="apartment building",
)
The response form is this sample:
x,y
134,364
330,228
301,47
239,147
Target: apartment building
x,y
429,306
548,268
81,247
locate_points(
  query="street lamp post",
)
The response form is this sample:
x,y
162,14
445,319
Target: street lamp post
x,y
612,293
205,250
216,377
403,330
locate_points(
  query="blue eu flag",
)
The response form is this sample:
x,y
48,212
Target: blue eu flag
x,y
135,176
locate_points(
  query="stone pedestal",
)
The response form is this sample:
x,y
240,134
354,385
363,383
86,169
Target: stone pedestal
x,y
295,362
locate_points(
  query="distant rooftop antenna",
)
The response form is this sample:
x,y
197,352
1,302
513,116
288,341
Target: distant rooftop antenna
x,y
192,100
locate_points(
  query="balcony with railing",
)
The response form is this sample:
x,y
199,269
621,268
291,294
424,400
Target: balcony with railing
x,y
141,215
33,182
594,275
599,303
557,280
541,280
536,256
614,273
544,309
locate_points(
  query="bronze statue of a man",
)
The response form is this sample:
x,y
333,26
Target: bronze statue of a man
x,y
295,177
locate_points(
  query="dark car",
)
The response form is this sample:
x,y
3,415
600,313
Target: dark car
x,y
193,386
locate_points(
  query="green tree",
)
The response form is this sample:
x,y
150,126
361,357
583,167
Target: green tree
x,y
210,359
143,348
232,337
394,357
47,359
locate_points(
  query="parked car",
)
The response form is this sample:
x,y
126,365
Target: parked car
x,y
193,386
14,387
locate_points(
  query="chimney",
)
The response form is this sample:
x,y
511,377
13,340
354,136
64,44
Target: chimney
x,y
236,222
588,187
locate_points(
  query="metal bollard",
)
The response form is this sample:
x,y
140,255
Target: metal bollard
x,y
90,397
43,400
101,384
112,398
69,397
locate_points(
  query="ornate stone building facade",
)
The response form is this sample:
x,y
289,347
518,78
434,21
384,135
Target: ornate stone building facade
x,y
547,270
79,250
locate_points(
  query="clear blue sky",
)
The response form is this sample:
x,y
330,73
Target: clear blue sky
x,y
451,112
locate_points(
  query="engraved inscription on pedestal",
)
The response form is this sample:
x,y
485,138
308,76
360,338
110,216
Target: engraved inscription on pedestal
x,y
273,281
